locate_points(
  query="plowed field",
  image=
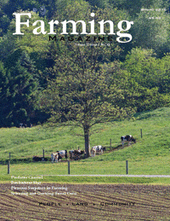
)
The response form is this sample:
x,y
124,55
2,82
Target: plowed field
x,y
54,201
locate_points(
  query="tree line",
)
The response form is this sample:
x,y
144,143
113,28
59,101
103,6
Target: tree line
x,y
59,80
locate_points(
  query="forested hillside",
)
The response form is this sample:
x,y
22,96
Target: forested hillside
x,y
63,80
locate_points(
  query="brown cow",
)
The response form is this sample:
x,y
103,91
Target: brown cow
x,y
76,154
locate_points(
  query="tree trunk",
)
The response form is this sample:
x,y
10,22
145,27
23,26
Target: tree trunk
x,y
86,139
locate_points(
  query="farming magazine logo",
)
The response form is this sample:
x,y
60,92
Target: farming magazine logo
x,y
122,34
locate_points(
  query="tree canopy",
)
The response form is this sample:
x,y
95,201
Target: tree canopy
x,y
83,90
113,78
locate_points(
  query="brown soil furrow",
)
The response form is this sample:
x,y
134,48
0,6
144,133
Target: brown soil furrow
x,y
15,203
109,198
5,205
147,197
143,204
151,203
136,199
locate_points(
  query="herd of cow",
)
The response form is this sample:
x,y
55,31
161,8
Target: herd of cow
x,y
73,154
77,154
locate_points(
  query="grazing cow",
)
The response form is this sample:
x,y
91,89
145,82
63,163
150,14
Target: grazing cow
x,y
97,149
63,153
58,155
75,154
127,138
55,157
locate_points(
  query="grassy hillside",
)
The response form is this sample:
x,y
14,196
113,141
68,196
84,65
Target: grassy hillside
x,y
150,155
155,125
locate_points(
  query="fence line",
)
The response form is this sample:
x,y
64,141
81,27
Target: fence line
x,y
115,175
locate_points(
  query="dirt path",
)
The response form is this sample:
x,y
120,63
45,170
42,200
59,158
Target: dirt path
x,y
54,201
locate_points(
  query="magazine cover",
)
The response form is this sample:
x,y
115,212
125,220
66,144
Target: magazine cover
x,y
85,110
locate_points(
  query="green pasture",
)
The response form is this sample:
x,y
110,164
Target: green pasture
x,y
149,156
157,166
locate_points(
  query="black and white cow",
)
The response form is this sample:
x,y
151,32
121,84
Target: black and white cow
x,y
127,138
56,156
63,153
97,149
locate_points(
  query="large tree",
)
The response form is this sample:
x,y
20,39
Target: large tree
x,y
83,90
